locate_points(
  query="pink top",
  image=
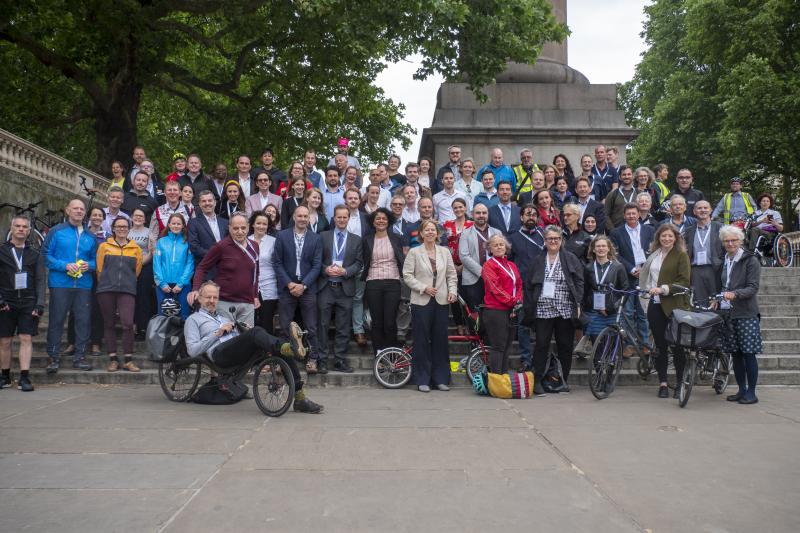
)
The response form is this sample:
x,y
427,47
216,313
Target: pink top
x,y
383,264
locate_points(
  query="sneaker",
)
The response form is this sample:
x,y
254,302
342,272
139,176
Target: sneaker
x,y
81,364
113,366
52,368
130,366
443,387
25,384
5,382
424,388
296,339
307,406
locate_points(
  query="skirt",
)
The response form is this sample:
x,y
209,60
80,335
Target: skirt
x,y
597,322
742,335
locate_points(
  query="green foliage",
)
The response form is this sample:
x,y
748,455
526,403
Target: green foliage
x,y
91,78
718,91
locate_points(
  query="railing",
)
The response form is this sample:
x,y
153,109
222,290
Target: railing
x,y
794,240
31,160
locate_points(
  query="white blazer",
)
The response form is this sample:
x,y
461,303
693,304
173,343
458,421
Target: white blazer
x,y
418,275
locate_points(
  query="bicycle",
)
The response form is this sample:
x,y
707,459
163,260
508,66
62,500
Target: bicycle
x,y
273,383
713,363
607,350
392,365
39,226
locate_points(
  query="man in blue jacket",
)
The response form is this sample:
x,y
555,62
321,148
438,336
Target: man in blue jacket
x,y
69,251
501,171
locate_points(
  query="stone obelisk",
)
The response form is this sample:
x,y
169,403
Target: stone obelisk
x,y
548,107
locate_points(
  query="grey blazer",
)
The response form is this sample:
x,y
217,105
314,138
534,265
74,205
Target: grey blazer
x,y
352,261
468,253
418,275
714,245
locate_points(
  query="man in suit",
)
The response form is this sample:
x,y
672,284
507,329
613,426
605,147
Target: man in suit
x,y
206,229
632,241
473,253
589,207
706,253
297,282
357,224
505,215
341,265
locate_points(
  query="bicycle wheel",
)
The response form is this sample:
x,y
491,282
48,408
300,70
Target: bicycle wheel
x,y
782,251
273,386
178,380
686,384
606,363
722,372
392,367
477,361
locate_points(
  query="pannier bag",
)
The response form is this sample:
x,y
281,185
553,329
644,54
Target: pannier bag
x,y
693,330
553,380
511,385
164,336
220,391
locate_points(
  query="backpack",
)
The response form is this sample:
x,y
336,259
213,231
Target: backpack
x,y
553,380
220,391
164,337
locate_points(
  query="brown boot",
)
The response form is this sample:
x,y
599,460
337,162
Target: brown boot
x,y
361,339
130,366
114,366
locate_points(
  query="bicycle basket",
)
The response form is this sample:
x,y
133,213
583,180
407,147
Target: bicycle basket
x,y
694,330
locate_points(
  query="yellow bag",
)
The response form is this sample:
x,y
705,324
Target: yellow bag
x,y
512,385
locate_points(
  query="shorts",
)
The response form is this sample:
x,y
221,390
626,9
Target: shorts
x,y
19,321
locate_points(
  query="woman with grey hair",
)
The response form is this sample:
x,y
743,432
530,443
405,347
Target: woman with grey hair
x,y
643,179
502,301
552,300
741,273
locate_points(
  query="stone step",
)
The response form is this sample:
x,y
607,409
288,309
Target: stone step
x,y
780,334
778,299
786,322
779,310
767,288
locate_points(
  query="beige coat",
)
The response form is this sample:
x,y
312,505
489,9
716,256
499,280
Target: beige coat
x,y
418,275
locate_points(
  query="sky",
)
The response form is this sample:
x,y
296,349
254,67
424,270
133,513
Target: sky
x,y
610,59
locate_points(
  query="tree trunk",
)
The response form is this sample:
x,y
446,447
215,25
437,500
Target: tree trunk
x,y
788,204
116,127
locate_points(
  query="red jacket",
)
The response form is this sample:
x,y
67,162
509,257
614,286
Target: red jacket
x,y
237,271
501,291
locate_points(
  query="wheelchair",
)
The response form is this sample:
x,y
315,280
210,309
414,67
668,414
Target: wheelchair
x,y
772,250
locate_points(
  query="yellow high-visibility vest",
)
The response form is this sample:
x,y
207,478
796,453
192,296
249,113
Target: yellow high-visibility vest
x,y
726,215
520,173
663,191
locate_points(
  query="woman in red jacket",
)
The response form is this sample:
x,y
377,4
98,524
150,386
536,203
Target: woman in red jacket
x,y
502,299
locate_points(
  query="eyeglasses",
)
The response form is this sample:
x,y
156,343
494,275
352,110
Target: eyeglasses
x,y
552,239
731,241
684,177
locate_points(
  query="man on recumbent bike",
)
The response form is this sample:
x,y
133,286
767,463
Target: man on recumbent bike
x,y
208,332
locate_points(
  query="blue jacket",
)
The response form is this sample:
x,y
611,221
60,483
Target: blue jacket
x,y
172,261
284,260
63,246
503,173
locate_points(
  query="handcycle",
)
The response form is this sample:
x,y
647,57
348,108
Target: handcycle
x,y
273,383
39,226
392,365
772,250
712,362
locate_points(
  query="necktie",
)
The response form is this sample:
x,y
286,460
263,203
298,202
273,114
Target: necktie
x,y
339,246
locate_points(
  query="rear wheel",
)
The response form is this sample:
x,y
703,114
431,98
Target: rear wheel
x,y
687,382
606,363
722,372
178,380
392,367
782,251
477,361
273,386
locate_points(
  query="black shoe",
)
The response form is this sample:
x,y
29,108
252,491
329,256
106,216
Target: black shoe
x,y
735,397
343,366
81,364
307,406
139,336
5,382
52,368
25,384
663,391
322,367
538,390
748,400
676,392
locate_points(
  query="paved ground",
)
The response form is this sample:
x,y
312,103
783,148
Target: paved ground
x,y
91,458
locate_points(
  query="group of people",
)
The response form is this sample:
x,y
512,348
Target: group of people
x,y
386,251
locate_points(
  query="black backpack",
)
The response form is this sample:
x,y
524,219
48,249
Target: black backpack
x,y
220,391
553,380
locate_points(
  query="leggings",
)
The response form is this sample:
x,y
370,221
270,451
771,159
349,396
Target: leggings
x,y
745,368
110,303
658,326
383,299
501,334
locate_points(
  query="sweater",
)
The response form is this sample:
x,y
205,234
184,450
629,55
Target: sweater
x,y
237,270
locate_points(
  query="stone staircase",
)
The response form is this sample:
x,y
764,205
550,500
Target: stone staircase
x,y
779,300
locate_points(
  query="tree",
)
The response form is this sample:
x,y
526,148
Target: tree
x,y
92,78
718,91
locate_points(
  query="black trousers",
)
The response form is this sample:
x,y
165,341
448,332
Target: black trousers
x,y
332,299
473,294
240,349
307,302
658,326
501,335
565,337
431,358
145,295
265,315
383,299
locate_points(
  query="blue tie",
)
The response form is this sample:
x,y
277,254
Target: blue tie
x,y
339,245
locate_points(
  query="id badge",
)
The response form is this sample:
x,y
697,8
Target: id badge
x,y
701,258
20,280
337,263
549,289
725,304
599,301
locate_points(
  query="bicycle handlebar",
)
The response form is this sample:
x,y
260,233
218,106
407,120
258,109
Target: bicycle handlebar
x,y
630,292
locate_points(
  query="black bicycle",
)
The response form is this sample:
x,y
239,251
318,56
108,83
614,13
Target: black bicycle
x,y
39,225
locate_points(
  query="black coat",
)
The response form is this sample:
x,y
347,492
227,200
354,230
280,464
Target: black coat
x,y
616,276
573,275
33,263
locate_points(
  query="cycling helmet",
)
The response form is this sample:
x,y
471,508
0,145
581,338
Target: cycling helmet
x,y
479,384
170,307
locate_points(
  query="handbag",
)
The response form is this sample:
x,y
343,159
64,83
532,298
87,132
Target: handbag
x,y
693,330
511,385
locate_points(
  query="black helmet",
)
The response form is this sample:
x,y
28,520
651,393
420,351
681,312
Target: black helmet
x,y
170,307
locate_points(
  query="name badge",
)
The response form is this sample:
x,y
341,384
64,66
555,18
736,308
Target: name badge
x,y
702,258
337,263
549,289
20,280
599,301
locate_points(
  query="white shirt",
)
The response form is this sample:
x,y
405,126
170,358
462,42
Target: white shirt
x,y
634,234
214,224
411,215
245,183
354,224
471,190
384,198
267,281
443,203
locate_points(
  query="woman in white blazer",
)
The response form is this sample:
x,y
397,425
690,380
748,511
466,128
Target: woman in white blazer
x,y
431,275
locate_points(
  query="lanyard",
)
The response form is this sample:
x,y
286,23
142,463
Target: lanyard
x,y
728,267
230,212
700,239
510,272
540,246
548,268
18,260
480,236
597,277
627,200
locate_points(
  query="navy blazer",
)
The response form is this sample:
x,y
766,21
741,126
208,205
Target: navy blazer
x,y
497,221
284,260
200,236
619,236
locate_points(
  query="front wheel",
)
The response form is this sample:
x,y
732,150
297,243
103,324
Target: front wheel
x,y
687,382
392,367
606,363
782,251
273,386
477,361
178,381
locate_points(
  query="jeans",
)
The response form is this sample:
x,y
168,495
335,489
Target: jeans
x,y
633,308
77,301
266,315
358,307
